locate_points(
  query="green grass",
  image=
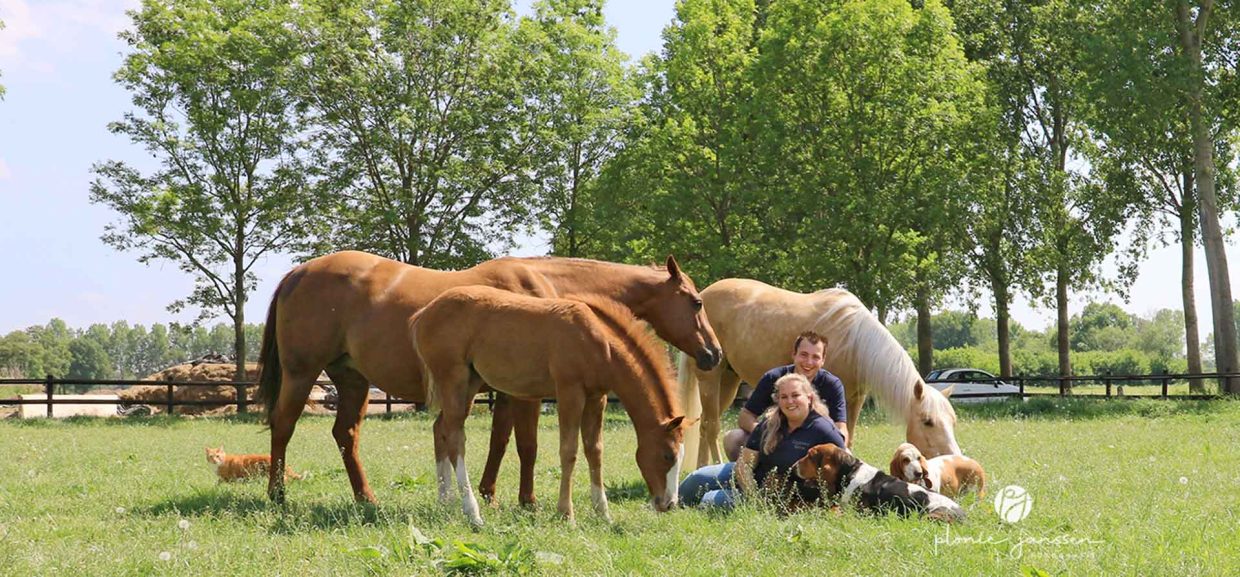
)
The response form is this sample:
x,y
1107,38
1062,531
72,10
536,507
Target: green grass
x,y
1120,488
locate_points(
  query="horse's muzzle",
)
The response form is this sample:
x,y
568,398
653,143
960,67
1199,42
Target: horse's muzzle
x,y
708,358
661,504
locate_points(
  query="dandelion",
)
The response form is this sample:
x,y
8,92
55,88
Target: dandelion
x,y
1183,480
191,545
165,556
183,524
120,510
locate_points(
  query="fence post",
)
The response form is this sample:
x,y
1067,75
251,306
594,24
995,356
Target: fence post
x,y
1107,381
387,401
47,390
171,402
1020,381
1165,380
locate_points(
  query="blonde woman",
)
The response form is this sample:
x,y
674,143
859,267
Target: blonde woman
x,y
797,421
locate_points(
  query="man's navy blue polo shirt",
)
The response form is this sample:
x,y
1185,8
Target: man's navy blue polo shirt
x,y
830,390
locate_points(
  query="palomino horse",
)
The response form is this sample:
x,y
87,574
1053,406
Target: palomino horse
x,y
757,324
348,313
533,348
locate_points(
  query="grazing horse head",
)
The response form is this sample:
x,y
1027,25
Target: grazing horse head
x,y
660,450
674,309
931,422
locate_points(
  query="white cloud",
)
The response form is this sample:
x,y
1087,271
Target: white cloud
x,y
18,25
32,28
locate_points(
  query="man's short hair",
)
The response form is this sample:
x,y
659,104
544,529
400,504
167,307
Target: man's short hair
x,y
813,338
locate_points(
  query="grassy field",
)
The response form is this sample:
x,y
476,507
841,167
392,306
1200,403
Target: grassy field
x,y
1119,488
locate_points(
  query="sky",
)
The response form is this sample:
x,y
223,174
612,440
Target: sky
x,y
57,58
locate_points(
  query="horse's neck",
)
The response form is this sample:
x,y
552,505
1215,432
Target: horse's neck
x,y
638,389
636,399
627,284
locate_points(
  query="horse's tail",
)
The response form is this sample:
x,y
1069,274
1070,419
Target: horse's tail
x,y
269,370
433,399
690,403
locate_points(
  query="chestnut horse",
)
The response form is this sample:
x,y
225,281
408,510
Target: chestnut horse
x,y
757,324
348,313
534,348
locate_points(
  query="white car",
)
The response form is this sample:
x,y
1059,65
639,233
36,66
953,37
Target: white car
x,y
971,382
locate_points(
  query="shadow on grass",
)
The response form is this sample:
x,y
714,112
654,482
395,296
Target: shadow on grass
x,y
291,518
630,490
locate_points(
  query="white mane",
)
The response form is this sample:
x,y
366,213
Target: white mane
x,y
882,365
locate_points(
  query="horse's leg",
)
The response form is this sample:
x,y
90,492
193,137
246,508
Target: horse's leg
x,y
443,467
729,384
592,440
854,398
708,391
501,430
457,392
283,419
525,418
570,407
354,395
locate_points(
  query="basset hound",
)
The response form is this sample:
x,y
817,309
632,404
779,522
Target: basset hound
x,y
843,476
950,475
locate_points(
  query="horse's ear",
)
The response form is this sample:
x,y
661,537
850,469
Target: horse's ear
x,y
673,269
917,392
948,391
674,424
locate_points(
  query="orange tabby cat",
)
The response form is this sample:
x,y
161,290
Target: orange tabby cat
x,y
238,467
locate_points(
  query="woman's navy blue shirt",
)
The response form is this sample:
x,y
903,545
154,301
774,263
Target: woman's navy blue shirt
x,y
795,444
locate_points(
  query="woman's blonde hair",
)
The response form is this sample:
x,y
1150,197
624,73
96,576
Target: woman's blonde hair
x,y
776,422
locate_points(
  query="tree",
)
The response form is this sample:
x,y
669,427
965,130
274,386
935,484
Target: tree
x,y
866,106
89,359
954,329
684,181
1140,115
210,81
422,129
1000,221
1206,49
583,100
20,356
1100,327
1037,52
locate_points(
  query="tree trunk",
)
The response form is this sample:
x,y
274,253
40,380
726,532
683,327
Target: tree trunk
x,y
1191,338
1190,30
239,328
925,335
1002,317
1061,304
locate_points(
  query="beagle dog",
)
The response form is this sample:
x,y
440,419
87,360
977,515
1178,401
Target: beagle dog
x,y
839,474
950,475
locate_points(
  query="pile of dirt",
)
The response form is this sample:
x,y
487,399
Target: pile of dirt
x,y
156,396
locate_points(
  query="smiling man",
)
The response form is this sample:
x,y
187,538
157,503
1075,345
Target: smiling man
x,y
808,353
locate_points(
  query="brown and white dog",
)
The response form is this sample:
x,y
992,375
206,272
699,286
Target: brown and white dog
x,y
950,475
843,476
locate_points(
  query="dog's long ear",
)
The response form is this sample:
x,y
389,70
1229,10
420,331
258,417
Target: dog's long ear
x,y
897,465
818,457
